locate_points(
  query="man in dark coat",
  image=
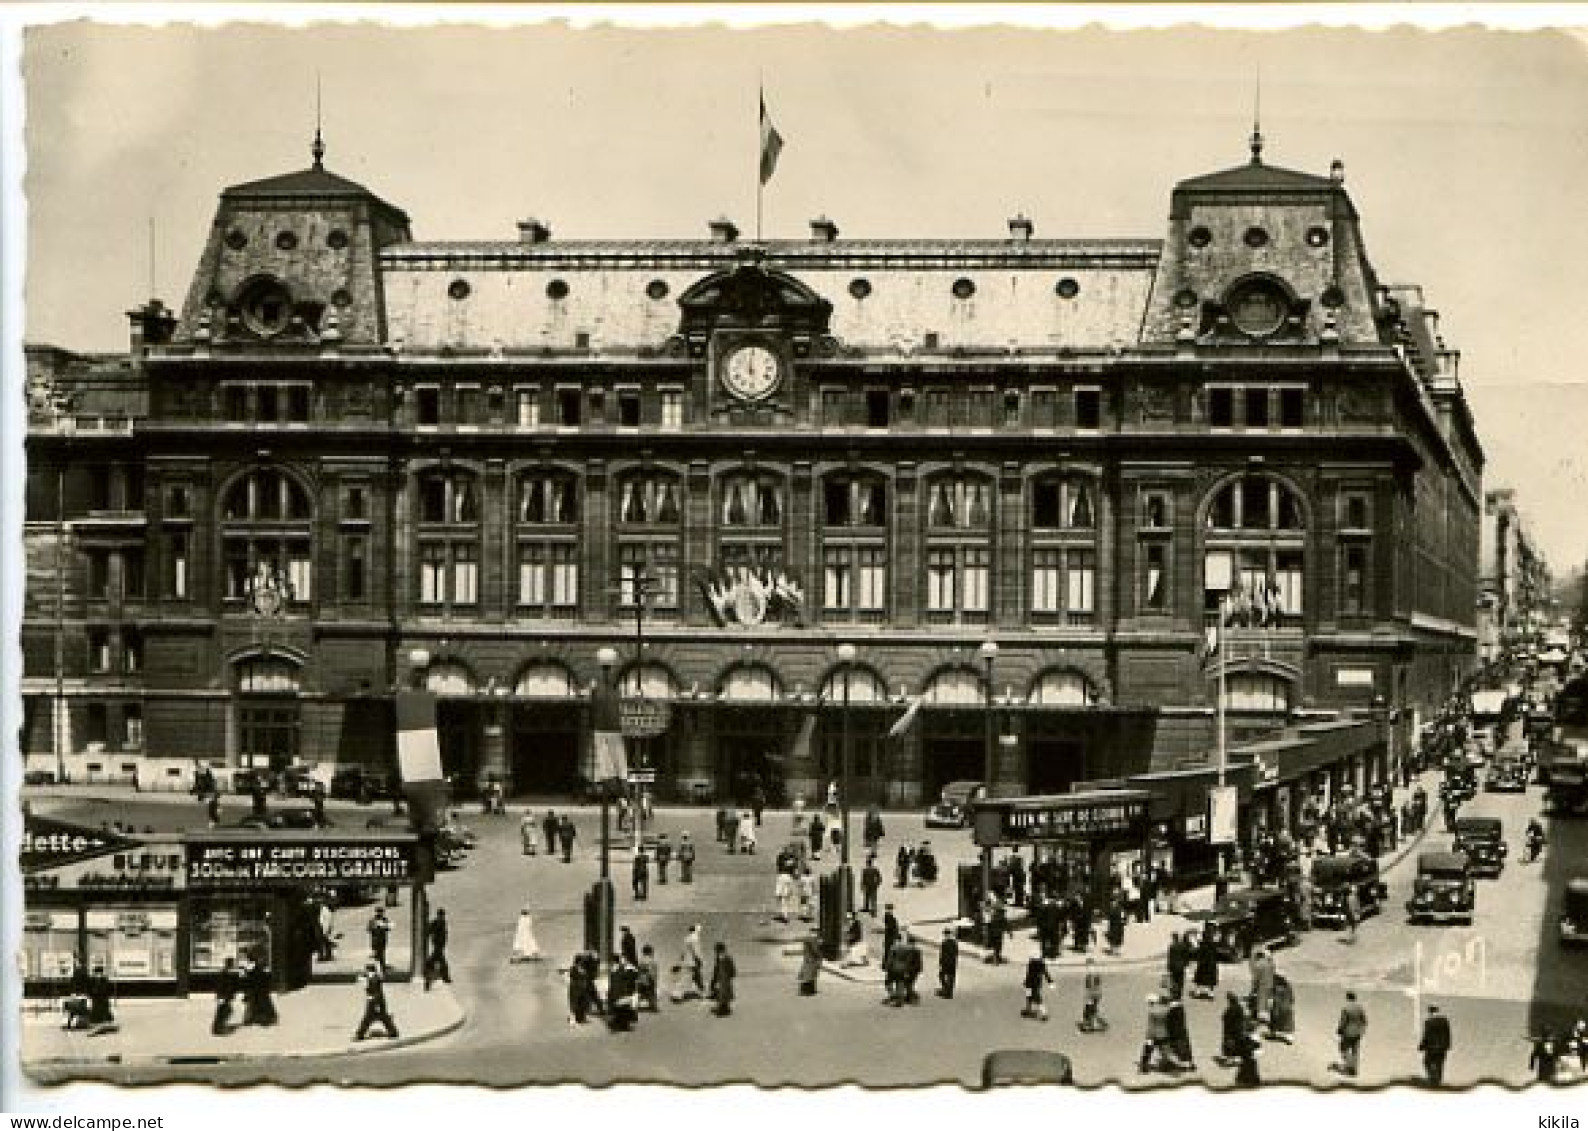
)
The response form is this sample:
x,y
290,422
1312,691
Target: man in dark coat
x,y
1017,878
1179,959
1037,976
375,1003
870,885
623,988
1435,1045
664,857
901,866
997,928
890,933
628,947
566,833
723,972
911,966
947,964
1350,1031
226,984
436,935
641,874
810,964
379,934
1235,1030
686,859
549,825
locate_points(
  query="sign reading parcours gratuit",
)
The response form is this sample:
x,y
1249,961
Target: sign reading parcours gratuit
x,y
297,864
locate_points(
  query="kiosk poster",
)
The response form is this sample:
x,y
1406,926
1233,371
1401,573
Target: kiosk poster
x,y
255,864
1222,806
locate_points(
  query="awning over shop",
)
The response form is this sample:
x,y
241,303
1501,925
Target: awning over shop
x,y
1313,747
1115,814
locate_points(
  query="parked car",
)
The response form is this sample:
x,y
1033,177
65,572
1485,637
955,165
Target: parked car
x,y
1482,840
38,777
1508,775
1025,1066
1243,920
361,784
1574,911
299,781
283,818
952,810
1444,891
1333,876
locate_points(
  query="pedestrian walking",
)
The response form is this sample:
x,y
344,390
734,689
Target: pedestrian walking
x,y
1282,1011
212,808
758,802
870,885
686,859
623,993
550,825
628,946
1037,976
693,962
436,934
783,896
1178,958
901,865
816,831
664,857
1180,1035
997,928
874,830
855,953
1350,1031
1205,974
1092,1019
578,991
259,1007
807,895
1115,934
640,875
1261,966
1545,1058
909,952
1246,1071
1017,878
723,973
1155,1050
650,979
1351,905
566,835
747,834
810,963
947,964
526,948
374,980
325,930
527,834
890,933
226,984
1435,1045
379,931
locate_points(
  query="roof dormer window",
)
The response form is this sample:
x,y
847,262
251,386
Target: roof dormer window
x,y
266,307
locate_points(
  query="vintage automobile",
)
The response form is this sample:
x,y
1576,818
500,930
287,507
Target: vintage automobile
x,y
1246,919
952,810
1025,1066
1574,912
361,784
1443,892
1507,775
283,818
1482,840
1567,776
246,778
1333,876
1461,780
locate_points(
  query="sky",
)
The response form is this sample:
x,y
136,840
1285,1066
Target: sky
x,y
1466,153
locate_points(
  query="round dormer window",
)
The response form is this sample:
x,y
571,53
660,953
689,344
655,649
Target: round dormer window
x,y
1258,307
266,307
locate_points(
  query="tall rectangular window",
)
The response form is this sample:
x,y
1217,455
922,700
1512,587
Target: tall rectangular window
x,y
177,568
1257,408
1011,409
465,574
131,651
1046,573
432,573
1221,408
1353,581
99,649
132,722
1155,577
672,409
941,588
269,399
873,576
471,406
1044,408
1088,408
1292,408
353,576
529,408
570,408
981,408
298,403
837,578
978,566
628,408
355,510
132,583
234,403
877,408
300,572
99,574
532,576
428,406
564,559
937,408
834,406
1080,567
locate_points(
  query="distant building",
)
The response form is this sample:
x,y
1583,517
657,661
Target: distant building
x,y
1514,584
350,445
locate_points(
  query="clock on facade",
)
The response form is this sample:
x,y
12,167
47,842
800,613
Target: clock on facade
x,y
752,372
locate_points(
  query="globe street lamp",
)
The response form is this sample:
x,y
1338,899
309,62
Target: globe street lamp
x,y
989,654
844,879
604,717
607,657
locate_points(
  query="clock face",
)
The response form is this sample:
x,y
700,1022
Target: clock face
x,y
752,373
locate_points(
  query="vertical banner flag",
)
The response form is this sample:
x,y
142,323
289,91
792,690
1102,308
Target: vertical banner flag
x,y
771,144
608,756
804,741
419,759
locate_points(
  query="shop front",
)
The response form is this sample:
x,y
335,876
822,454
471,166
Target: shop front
x,y
1180,812
161,914
1095,833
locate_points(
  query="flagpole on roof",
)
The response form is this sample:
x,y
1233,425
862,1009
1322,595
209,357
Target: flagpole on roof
x,y
760,148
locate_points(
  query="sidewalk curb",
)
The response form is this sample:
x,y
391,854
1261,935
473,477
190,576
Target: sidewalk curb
x,y
360,1048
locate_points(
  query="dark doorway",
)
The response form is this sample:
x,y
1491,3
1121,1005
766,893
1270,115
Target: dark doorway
x,y
1053,765
267,731
950,759
545,750
750,753
458,733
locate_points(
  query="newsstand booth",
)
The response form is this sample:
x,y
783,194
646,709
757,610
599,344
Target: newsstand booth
x,y
1179,813
162,912
1092,826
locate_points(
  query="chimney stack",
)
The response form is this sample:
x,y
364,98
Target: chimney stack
x,y
1021,228
533,231
724,230
823,230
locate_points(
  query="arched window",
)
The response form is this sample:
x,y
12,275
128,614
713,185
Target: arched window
x,y
548,544
449,678
750,510
544,681
750,683
854,547
1255,556
865,686
1064,520
449,539
959,519
957,687
1062,689
267,541
650,515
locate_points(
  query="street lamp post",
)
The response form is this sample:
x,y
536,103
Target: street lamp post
x,y
63,405
989,654
845,878
607,658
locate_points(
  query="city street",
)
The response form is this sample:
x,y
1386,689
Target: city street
x,y
1497,980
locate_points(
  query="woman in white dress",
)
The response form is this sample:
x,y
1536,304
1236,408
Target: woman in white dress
x,y
525,946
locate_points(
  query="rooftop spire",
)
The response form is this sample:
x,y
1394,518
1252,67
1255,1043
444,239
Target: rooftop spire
x,y
318,148
1257,120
